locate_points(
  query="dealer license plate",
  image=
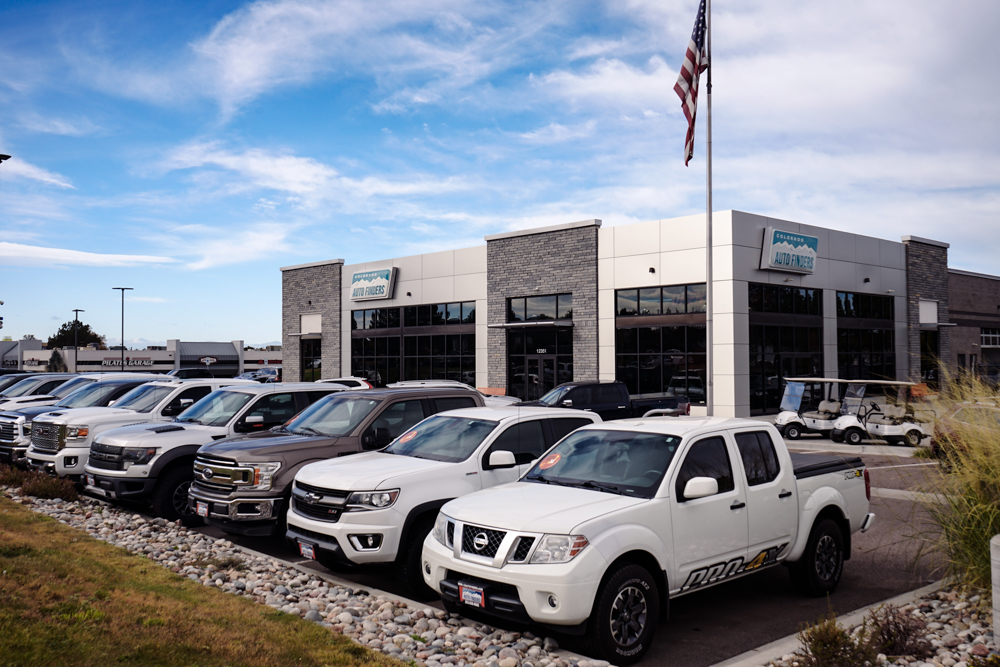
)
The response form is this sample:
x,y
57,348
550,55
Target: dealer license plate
x,y
471,595
307,550
90,480
202,509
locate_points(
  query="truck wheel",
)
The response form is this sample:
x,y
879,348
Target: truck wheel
x,y
836,438
818,571
170,497
409,560
913,438
854,436
793,432
626,613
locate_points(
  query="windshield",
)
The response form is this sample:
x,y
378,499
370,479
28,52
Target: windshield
x,y
441,438
333,416
623,462
93,394
792,399
216,409
8,382
554,396
852,399
23,388
68,387
145,397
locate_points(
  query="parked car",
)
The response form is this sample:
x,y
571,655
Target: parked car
x,y
350,381
191,373
345,423
39,384
610,400
378,507
488,399
154,463
618,518
262,375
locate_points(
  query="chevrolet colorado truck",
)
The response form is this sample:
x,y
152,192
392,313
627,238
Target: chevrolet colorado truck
x,y
619,518
378,507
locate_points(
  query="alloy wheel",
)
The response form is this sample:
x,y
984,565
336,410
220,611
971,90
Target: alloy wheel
x,y
628,616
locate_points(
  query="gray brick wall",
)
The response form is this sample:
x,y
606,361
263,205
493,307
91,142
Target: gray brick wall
x,y
308,290
926,279
547,263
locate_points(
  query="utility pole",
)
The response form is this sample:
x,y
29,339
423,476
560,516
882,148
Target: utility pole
x,y
76,342
123,322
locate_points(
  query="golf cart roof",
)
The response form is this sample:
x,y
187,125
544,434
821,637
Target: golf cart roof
x,y
830,380
895,383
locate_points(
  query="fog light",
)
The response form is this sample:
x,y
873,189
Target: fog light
x,y
553,602
369,542
70,461
427,568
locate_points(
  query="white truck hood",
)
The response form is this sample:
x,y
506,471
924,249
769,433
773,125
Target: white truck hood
x,y
366,472
90,416
170,434
536,508
26,401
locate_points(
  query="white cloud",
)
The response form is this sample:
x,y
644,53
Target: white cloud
x,y
17,168
613,83
28,255
70,128
555,133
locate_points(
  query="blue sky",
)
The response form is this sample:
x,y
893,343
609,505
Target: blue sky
x,y
190,149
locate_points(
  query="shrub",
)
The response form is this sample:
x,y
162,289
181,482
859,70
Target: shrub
x,y
897,632
992,660
41,485
11,476
828,644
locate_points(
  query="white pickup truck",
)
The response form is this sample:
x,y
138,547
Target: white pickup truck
x,y
377,507
621,517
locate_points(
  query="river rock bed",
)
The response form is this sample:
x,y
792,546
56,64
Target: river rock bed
x,y
957,629
427,637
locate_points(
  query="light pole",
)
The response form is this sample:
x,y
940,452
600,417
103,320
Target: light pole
x,y
123,322
76,342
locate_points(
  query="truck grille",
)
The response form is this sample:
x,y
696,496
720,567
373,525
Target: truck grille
x,y
49,437
219,475
316,511
309,488
106,457
522,550
8,431
481,541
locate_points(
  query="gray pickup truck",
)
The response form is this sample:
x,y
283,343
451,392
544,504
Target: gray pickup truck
x,y
228,497
610,400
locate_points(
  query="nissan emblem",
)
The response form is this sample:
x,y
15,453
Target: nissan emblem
x,y
480,541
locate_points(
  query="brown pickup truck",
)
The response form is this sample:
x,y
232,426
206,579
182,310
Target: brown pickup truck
x,y
242,484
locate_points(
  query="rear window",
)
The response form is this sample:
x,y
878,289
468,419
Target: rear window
x,y
759,458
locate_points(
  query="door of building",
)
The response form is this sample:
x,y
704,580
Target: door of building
x,y
539,375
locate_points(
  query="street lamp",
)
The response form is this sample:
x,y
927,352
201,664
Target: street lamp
x,y
76,343
123,322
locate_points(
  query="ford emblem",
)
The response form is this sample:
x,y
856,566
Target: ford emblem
x,y
480,541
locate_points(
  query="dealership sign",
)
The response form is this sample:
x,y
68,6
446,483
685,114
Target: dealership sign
x,y
129,361
788,251
369,285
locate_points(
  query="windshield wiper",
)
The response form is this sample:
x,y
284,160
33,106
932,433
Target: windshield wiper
x,y
188,420
601,486
308,431
547,480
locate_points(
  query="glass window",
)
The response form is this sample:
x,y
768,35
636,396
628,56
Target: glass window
x,y
424,316
696,298
525,440
649,301
453,403
649,339
469,312
626,341
786,300
696,339
770,298
410,316
673,339
815,298
565,425
359,319
515,310
759,458
399,417
274,408
628,301
469,344
515,341
564,307
336,415
439,345
439,315
540,308
423,346
755,297
674,299
453,313
801,301
444,438
312,361
706,458
392,317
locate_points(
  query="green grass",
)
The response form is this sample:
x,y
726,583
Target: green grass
x,y
69,600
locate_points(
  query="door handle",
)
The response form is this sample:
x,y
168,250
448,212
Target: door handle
x,y
784,494
621,407
737,505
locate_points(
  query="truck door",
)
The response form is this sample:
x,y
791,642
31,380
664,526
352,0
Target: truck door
x,y
772,505
709,534
525,440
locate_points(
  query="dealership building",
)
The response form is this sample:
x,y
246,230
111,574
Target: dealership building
x,y
578,301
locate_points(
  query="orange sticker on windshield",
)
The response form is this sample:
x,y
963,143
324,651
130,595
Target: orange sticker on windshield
x,y
550,461
408,436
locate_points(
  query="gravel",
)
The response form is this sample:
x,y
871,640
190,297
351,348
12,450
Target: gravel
x,y
428,637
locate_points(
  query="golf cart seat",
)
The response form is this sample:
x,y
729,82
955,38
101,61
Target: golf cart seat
x,y
826,410
889,415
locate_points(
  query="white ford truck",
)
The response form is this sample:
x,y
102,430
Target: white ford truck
x,y
621,517
155,463
377,507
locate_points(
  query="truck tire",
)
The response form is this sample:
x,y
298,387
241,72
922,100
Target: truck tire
x,y
854,436
625,615
818,571
170,496
793,432
913,438
409,561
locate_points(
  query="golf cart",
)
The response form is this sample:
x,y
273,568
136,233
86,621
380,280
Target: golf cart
x,y
882,410
809,405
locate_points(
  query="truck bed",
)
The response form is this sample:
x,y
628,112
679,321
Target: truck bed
x,y
811,465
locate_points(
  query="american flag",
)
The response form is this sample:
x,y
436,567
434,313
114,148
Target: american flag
x,y
695,62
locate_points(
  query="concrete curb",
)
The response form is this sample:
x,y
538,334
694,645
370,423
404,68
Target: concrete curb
x,y
759,656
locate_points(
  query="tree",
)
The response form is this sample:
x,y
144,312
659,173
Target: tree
x,y
85,335
56,363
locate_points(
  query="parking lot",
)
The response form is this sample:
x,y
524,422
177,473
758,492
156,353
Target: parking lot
x,y
724,621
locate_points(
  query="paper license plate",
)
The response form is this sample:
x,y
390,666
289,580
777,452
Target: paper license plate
x,y
90,480
202,509
471,595
307,550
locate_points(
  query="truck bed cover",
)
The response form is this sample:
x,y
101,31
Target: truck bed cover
x,y
811,465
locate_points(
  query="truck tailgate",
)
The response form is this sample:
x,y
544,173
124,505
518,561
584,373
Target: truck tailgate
x,y
812,465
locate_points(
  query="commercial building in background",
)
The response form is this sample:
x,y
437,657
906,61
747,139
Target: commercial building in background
x,y
222,359
537,307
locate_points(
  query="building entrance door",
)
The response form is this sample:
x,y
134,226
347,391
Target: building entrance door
x,y
540,376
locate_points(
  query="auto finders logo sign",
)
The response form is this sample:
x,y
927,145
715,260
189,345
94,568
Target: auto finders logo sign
x,y
370,285
789,251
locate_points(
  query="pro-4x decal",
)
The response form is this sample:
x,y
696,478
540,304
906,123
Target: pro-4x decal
x,y
724,570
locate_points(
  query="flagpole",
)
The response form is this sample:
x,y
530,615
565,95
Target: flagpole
x,y
709,300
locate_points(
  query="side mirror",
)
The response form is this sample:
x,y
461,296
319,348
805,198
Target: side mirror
x,y
568,403
254,420
700,487
502,459
186,403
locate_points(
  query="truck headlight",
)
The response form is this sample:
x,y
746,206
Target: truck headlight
x,y
77,432
137,456
262,476
558,548
439,531
365,500
26,428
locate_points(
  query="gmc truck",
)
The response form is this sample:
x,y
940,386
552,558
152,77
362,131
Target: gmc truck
x,y
229,497
620,518
610,400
